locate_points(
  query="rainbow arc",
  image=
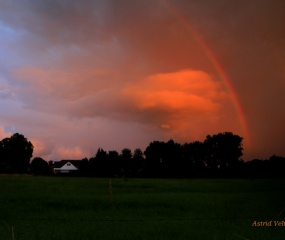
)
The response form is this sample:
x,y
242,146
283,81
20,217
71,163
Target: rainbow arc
x,y
214,61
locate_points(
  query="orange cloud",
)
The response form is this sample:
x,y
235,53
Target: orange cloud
x,y
189,89
179,102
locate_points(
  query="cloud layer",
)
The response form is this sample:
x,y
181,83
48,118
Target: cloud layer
x,y
179,102
79,75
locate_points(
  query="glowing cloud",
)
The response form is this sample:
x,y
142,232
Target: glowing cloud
x,y
184,89
178,101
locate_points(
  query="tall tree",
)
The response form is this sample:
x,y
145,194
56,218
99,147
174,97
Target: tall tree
x,y
154,155
138,161
98,164
224,150
172,159
15,154
126,161
113,162
193,156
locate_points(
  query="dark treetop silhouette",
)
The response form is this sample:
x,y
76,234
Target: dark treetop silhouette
x,y
218,155
15,154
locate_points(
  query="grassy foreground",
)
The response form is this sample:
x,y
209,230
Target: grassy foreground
x,y
87,208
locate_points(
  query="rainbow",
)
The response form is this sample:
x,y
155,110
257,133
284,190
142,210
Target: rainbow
x,y
214,61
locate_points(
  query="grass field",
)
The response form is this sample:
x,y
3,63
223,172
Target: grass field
x,y
87,208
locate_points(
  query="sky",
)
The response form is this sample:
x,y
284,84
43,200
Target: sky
x,y
79,75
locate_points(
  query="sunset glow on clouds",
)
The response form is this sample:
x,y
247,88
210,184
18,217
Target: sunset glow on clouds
x,y
178,90
79,75
181,102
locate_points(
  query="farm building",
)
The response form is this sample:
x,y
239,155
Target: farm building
x,y
66,166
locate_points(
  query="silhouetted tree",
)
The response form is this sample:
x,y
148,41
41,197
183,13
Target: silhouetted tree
x,y
218,155
99,164
223,151
15,154
126,161
193,156
114,163
84,169
276,166
172,161
138,162
154,159
40,167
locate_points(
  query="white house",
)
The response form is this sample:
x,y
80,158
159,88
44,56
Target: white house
x,y
66,166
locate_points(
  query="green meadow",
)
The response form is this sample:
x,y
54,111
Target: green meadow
x,y
46,208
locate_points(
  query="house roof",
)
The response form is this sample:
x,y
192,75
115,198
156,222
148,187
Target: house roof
x,y
61,163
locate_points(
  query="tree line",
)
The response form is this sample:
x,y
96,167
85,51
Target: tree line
x,y
219,155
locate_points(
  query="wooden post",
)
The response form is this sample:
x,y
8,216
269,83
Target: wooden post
x,y
13,236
